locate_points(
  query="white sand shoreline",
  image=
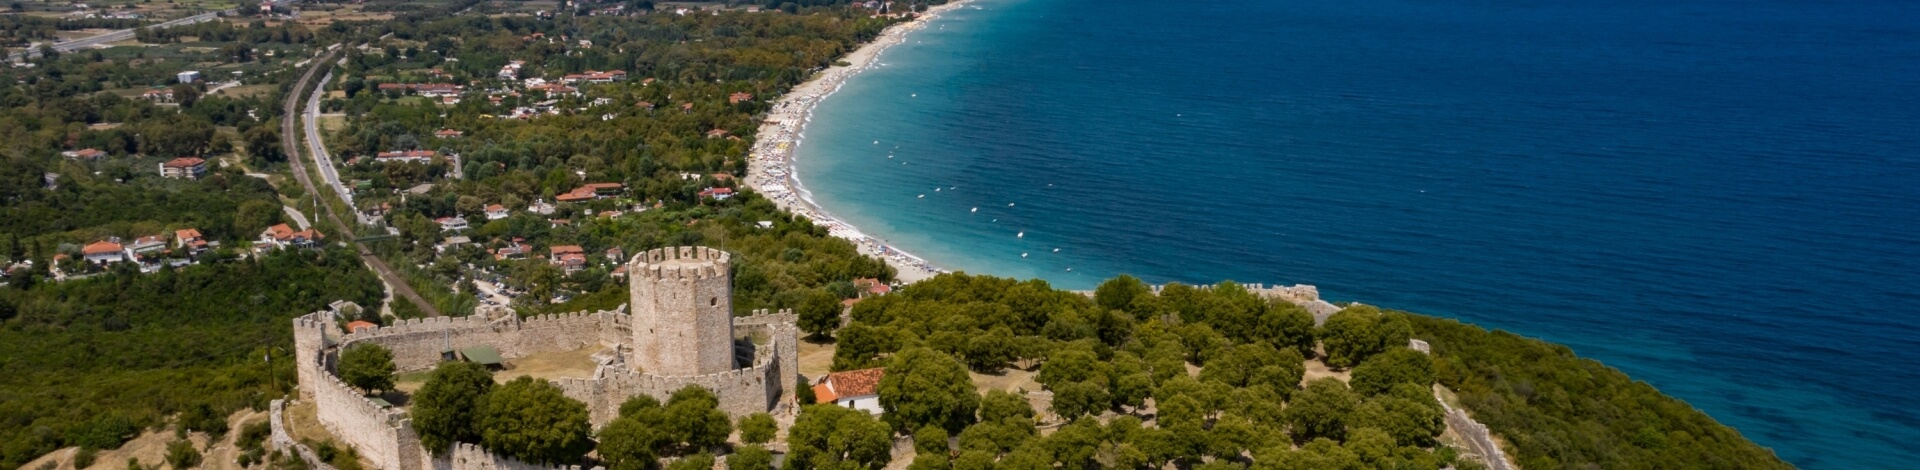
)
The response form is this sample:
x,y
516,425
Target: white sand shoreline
x,y
770,169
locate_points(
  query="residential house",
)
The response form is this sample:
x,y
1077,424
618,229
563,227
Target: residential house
x,y
617,255
591,191
183,167
496,212
540,206
159,95
451,242
283,236
406,156
513,250
736,98
871,287
189,242
716,133
452,224
148,251
857,389
720,194
570,258
84,154
103,252
189,76
448,134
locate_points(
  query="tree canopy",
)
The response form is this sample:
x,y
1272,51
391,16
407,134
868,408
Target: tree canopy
x,y
533,421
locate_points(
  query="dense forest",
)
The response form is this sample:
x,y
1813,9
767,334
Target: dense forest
x,y
91,362
1561,411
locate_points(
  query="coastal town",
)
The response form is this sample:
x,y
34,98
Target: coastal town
x,y
468,235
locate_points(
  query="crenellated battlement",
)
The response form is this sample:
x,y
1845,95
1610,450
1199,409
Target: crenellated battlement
x,y
680,263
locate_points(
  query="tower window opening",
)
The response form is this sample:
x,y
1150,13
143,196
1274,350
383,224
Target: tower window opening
x,y
713,302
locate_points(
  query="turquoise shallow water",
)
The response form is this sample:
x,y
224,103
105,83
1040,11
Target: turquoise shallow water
x,y
1717,197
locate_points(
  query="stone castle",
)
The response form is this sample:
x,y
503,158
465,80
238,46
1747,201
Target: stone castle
x,y
680,331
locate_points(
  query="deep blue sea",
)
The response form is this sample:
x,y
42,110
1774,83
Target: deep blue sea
x,y
1721,198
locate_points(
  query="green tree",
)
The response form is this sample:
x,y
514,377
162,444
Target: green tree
x,y
1286,325
367,366
443,409
931,440
255,215
819,313
830,437
1395,366
924,387
1257,364
263,145
1408,422
1321,410
700,461
1320,454
533,421
694,420
757,428
1000,405
750,457
1118,293
182,455
1358,332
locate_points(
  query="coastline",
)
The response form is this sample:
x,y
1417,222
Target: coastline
x,y
770,168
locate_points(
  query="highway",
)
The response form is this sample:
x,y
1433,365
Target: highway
x,y
318,148
115,36
290,143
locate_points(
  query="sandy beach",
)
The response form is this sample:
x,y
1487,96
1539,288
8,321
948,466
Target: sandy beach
x,y
770,168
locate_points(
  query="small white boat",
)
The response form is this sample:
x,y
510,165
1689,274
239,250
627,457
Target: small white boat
x,y
976,209
1020,235
1023,255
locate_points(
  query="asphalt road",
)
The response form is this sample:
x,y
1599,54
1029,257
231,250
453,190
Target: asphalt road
x,y
289,141
116,36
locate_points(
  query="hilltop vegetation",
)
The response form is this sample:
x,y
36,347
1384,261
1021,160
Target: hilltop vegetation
x,y
1561,411
91,362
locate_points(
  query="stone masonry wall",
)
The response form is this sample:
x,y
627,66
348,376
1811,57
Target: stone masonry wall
x,y
472,457
417,343
682,304
743,391
384,437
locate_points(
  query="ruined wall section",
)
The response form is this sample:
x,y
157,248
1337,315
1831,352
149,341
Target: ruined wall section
x,y
741,391
417,343
465,456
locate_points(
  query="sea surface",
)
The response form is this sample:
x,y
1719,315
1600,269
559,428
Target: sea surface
x,y
1720,198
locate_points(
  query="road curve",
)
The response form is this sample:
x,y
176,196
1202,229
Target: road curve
x,y
289,141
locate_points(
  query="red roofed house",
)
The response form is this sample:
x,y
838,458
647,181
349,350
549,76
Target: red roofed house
x,y
448,133
189,241
358,325
570,258
590,191
857,389
496,212
736,98
716,133
870,286
717,193
160,95
183,167
103,252
85,154
282,236
421,156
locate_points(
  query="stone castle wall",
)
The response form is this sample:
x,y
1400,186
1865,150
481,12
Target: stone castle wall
x,y
472,457
756,388
385,436
417,344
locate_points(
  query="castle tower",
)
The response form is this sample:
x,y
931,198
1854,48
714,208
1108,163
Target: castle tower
x,y
682,311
